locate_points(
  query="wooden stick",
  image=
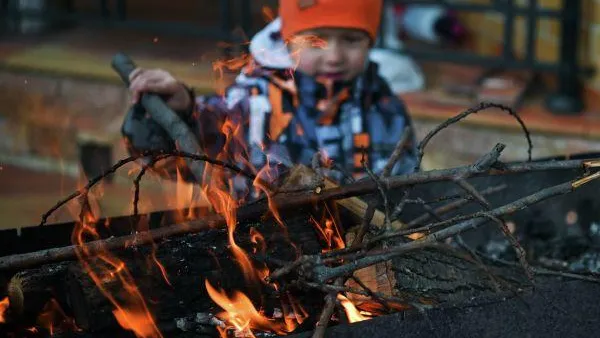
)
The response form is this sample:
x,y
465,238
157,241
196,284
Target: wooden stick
x,y
281,201
323,273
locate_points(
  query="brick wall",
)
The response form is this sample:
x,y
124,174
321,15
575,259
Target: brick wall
x,y
487,30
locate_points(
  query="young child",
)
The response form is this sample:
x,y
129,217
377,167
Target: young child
x,y
310,87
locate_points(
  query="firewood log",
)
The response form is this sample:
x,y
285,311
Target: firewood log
x,y
188,261
30,290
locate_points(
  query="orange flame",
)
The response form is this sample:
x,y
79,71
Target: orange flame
x,y
258,240
103,268
241,315
329,231
4,304
53,319
351,311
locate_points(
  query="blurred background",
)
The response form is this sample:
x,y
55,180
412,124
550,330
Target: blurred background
x,y
61,104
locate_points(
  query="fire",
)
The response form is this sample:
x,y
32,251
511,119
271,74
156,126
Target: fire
x,y
329,231
240,314
4,304
351,311
105,268
54,319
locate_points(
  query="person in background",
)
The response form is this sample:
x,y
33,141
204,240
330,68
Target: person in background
x,y
309,87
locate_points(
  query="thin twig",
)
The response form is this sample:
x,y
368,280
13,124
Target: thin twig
x,y
134,158
323,273
398,151
485,163
344,289
372,293
403,201
364,227
543,271
519,251
330,301
138,178
470,189
382,193
454,205
478,260
482,106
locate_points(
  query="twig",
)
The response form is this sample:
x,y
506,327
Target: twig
x,y
486,162
344,289
454,205
138,178
330,301
470,189
400,147
482,106
400,207
542,271
477,259
289,267
364,227
382,193
372,293
519,251
285,201
130,159
323,274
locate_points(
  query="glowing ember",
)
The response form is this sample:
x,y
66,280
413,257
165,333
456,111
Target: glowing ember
x,y
4,304
351,311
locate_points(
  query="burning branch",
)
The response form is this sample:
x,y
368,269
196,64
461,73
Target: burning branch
x,y
283,201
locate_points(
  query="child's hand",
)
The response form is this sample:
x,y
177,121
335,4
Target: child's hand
x,y
160,82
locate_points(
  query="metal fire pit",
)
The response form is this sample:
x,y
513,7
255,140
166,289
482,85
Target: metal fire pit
x,y
556,309
551,213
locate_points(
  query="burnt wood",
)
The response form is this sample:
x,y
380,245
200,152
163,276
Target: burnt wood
x,y
188,262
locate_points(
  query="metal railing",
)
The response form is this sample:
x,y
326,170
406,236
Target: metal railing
x,y
568,97
117,16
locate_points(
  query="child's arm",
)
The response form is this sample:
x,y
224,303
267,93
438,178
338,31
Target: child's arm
x,y
205,116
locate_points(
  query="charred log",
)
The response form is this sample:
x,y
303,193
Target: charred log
x,y
171,276
30,290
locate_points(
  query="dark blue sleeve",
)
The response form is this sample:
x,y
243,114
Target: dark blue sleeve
x,y
219,130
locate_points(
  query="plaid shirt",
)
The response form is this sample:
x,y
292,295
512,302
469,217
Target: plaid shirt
x,y
284,117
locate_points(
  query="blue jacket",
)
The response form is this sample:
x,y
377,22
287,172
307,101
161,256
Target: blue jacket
x,y
284,117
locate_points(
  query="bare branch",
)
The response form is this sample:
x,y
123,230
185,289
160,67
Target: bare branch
x,y
130,159
482,106
398,151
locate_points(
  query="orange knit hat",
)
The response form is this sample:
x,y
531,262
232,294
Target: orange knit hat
x,y
300,15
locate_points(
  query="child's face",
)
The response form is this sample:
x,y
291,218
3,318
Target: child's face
x,y
334,53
